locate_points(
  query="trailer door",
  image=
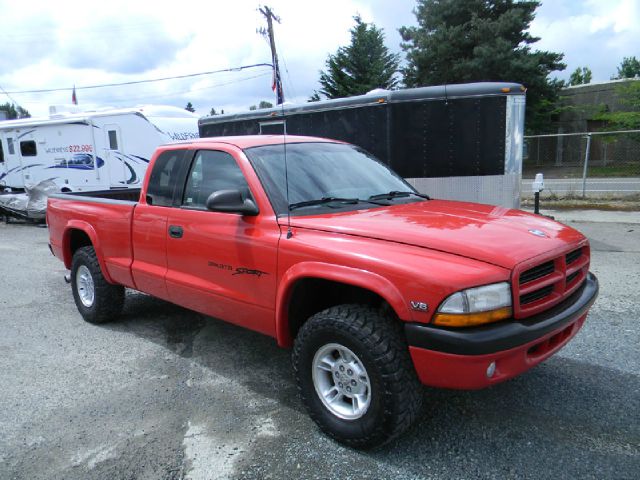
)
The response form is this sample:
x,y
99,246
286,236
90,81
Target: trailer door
x,y
11,170
114,157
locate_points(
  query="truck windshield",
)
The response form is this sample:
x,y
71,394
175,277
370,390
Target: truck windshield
x,y
324,176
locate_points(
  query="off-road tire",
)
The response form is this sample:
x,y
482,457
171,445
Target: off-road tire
x,y
379,343
108,299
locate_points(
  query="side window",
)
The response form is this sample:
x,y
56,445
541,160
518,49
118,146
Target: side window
x,y
28,148
211,171
1,153
12,150
113,139
164,178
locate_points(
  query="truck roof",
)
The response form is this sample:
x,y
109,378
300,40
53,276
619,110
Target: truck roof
x,y
248,141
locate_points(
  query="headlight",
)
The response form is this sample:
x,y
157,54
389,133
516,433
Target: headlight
x,y
475,306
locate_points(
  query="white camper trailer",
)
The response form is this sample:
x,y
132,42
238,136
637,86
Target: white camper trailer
x,y
85,151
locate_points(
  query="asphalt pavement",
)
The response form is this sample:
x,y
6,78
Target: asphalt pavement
x,y
166,393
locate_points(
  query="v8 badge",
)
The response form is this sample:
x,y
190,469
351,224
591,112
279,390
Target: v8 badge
x,y
419,306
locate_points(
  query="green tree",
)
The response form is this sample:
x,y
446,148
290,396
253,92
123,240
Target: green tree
x,y
459,41
213,112
362,66
14,112
629,68
189,107
262,104
628,117
315,97
580,76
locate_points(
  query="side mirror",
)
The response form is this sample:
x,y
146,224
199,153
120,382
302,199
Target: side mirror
x,y
231,201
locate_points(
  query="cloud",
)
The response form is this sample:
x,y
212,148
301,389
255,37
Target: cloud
x,y
62,43
594,34
117,50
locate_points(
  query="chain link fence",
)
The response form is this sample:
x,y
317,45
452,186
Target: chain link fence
x,y
584,165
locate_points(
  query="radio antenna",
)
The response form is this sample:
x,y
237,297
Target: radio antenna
x,y
286,171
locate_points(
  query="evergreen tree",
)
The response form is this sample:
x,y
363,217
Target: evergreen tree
x,y
629,68
459,41
189,107
265,104
362,66
213,112
14,112
580,76
315,97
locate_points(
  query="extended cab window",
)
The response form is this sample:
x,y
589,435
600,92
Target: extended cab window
x,y
164,178
212,171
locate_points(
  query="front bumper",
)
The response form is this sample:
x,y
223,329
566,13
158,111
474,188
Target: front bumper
x,y
459,358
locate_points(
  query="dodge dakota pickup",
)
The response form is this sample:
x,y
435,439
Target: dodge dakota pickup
x,y
376,287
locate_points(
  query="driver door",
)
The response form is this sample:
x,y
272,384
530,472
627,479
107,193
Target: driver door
x,y
221,264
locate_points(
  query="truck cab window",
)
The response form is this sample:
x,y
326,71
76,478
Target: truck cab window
x,y
212,171
28,148
164,178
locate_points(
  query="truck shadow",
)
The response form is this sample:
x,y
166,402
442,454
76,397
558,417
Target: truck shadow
x,y
565,418
217,345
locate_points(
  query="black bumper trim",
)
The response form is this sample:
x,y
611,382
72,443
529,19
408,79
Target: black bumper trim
x,y
504,335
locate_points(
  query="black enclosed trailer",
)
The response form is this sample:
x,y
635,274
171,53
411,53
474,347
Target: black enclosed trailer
x,y
459,142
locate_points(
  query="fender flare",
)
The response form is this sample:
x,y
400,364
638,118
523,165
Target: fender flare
x,y
88,229
339,274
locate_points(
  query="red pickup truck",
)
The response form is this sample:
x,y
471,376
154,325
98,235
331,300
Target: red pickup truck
x,y
375,286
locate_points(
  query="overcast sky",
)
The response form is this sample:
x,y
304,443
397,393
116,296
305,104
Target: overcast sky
x,y
56,44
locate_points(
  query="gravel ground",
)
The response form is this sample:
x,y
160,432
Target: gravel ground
x,y
166,393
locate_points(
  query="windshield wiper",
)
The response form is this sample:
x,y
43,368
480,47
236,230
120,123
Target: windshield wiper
x,y
323,200
397,194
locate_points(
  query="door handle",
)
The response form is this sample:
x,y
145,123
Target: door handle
x,y
175,231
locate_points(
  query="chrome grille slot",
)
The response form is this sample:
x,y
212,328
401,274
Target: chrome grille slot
x,y
536,272
571,277
536,295
573,256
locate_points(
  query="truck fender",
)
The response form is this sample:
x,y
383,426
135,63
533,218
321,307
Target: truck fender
x,y
93,236
337,273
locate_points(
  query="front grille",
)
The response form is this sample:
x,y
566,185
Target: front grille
x,y
536,295
573,276
573,256
536,272
540,286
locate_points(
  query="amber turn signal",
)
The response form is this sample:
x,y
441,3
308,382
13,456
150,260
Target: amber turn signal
x,y
471,319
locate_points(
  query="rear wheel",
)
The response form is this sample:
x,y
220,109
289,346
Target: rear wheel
x,y
355,375
98,301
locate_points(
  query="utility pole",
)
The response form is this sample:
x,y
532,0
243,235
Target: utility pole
x,y
277,79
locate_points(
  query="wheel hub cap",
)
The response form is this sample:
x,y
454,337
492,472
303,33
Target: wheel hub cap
x,y
341,381
86,289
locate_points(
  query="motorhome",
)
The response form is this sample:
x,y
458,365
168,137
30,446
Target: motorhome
x,y
88,150
455,142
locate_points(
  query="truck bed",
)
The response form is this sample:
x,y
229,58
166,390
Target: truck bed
x,y
99,218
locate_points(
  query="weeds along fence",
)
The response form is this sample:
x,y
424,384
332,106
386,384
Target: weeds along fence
x,y
588,164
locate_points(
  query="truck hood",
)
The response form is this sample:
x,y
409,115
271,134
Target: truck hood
x,y
496,235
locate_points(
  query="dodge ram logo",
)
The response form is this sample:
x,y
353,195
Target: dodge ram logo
x,y
538,233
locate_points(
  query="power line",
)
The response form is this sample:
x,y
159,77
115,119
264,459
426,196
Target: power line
x,y
135,82
10,97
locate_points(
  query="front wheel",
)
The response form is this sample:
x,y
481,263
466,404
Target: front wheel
x,y
355,375
97,300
